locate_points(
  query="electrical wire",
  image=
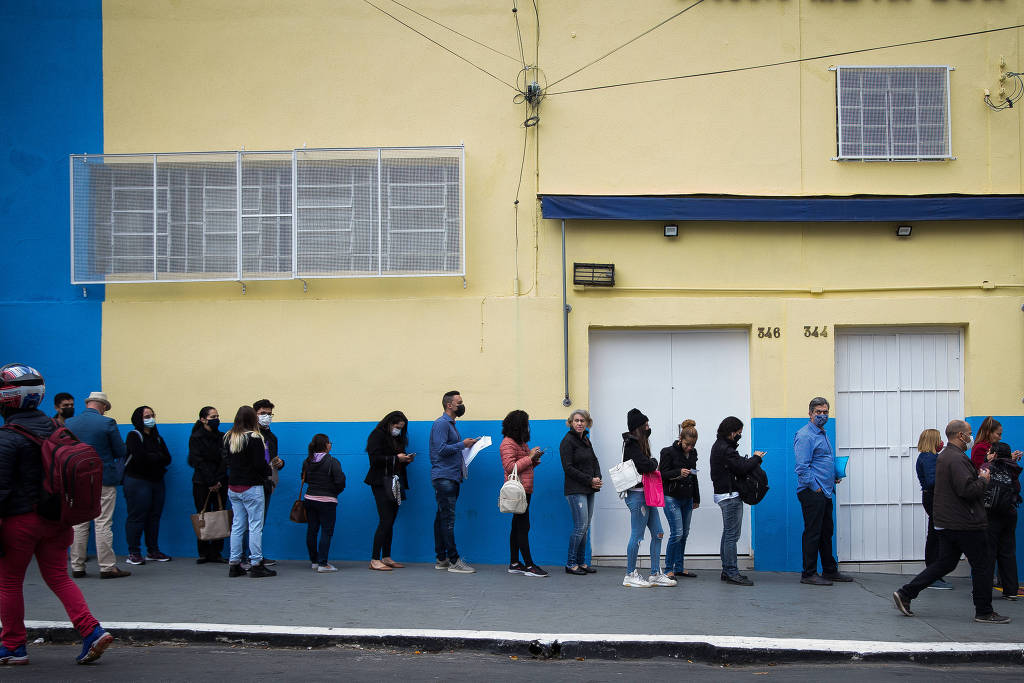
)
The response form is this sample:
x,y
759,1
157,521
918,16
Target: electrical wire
x,y
519,34
446,49
536,44
788,61
631,40
1015,94
449,28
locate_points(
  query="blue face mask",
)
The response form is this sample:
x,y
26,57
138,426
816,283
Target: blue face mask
x,y
820,420
149,422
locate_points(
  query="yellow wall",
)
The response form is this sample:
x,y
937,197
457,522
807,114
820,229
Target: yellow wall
x,y
185,75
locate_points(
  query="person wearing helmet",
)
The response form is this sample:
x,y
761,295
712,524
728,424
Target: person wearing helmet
x,y
25,532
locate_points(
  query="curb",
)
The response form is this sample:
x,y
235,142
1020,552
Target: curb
x,y
708,648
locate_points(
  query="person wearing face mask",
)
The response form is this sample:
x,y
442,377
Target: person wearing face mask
x,y
582,481
447,471
144,491
325,481
386,449
636,446
958,512
64,403
678,464
264,416
726,466
816,487
210,479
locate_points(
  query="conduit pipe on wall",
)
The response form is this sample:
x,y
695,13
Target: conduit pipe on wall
x,y
810,290
566,401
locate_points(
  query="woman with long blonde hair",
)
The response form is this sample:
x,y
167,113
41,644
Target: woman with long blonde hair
x,y
928,445
245,452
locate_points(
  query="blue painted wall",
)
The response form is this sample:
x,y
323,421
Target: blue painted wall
x,y
52,84
481,531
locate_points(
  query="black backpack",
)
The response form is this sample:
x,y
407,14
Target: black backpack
x,y
1000,497
752,487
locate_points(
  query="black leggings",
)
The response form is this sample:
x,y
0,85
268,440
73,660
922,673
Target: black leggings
x,y
519,536
387,510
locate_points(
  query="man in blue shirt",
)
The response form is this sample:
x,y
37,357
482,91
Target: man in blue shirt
x,y
446,473
815,487
100,432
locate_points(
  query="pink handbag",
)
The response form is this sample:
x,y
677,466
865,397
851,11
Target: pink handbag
x,y
654,494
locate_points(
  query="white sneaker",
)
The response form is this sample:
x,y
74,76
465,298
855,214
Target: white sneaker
x,y
634,580
661,580
460,567
325,568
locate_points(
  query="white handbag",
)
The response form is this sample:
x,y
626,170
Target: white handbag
x,y
512,496
624,476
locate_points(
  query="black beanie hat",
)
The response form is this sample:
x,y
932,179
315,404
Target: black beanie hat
x,y
634,419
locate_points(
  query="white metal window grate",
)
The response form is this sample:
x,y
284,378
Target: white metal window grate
x,y
307,213
893,113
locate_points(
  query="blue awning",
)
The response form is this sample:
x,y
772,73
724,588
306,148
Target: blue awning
x,y
783,209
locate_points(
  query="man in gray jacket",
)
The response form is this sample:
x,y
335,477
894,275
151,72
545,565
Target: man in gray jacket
x,y
959,518
100,432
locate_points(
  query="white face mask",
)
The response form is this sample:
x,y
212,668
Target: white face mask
x,y
264,420
395,431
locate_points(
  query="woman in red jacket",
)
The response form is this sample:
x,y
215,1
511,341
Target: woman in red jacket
x,y
517,454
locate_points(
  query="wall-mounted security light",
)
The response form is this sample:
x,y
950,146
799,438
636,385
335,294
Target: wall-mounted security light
x,y
671,231
593,274
904,230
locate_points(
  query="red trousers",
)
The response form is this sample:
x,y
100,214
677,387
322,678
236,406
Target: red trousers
x,y
21,537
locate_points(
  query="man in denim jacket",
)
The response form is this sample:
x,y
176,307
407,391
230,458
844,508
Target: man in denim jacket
x,y
100,432
816,487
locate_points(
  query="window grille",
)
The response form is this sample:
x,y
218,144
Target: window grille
x,y
893,113
328,213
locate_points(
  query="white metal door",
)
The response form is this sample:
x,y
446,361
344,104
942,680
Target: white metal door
x,y
670,376
890,386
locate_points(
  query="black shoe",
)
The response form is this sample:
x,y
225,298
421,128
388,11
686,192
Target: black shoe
x,y
78,573
517,568
588,569
236,570
202,560
838,577
738,580
992,618
267,562
260,570
902,604
535,571
578,571
815,580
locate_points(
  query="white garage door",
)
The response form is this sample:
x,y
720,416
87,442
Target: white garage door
x,y
670,376
890,386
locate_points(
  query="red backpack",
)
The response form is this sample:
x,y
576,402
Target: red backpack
x,y
72,476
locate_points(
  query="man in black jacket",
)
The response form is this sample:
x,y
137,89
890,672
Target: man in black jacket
x,y
265,415
24,532
959,517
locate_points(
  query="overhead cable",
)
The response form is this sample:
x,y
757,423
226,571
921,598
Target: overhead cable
x,y
446,49
788,61
449,28
631,40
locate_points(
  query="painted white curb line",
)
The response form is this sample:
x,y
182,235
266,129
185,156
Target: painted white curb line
x,y
865,647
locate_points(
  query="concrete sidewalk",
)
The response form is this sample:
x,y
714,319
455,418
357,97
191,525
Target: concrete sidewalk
x,y
561,615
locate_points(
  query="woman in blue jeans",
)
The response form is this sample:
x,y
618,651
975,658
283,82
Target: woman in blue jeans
x,y
678,465
144,489
636,447
582,481
245,452
726,466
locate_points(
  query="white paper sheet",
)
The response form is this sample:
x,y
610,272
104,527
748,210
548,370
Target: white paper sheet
x,y
469,453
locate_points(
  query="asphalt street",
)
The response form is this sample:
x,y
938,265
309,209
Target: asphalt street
x,y
166,662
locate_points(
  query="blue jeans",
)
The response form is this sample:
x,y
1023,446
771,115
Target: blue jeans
x,y
145,502
247,509
678,513
446,491
581,507
641,516
732,522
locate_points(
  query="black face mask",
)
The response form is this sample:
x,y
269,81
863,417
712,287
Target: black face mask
x,y
461,410
214,423
647,431
67,412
